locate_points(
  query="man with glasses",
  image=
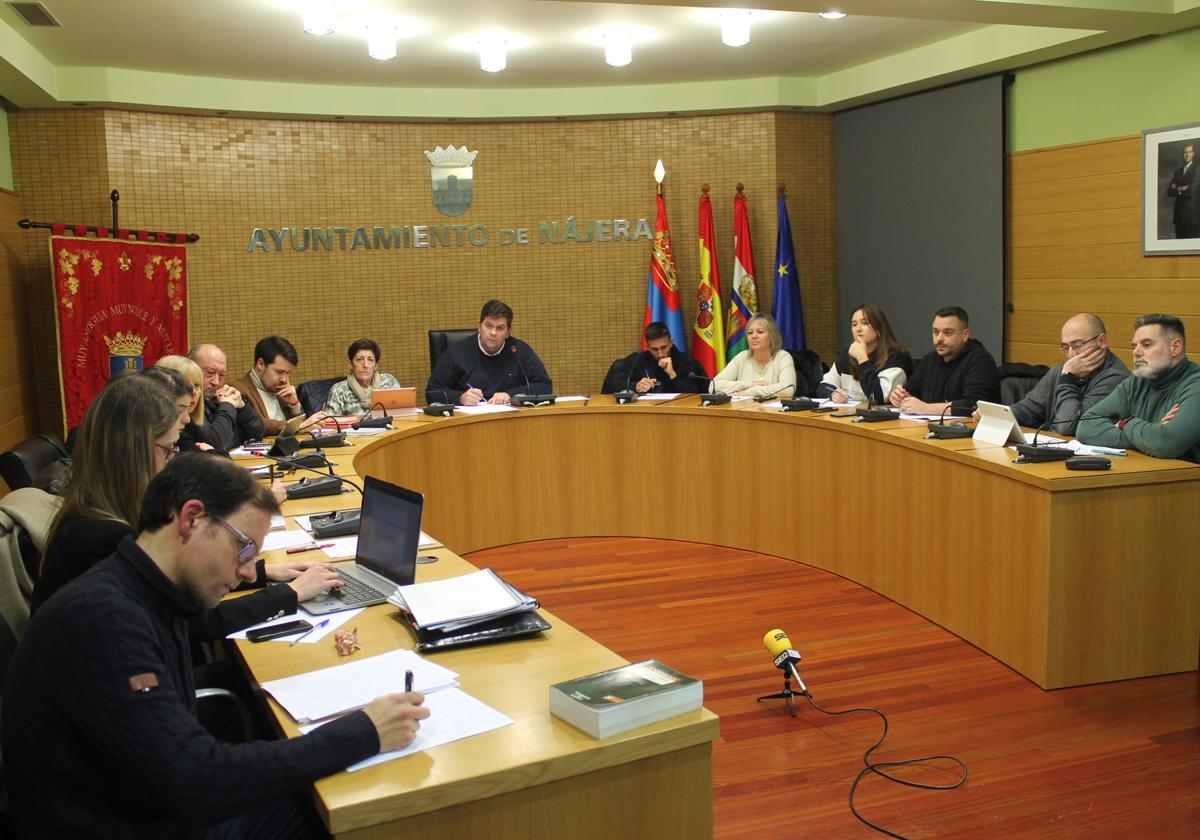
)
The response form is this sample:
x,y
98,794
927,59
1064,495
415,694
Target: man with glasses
x,y
1088,375
99,733
1157,410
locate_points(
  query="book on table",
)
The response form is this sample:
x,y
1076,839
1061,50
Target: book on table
x,y
624,698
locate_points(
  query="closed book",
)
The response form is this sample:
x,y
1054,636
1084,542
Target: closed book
x,y
620,699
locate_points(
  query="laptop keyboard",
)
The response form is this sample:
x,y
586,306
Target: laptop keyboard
x,y
354,591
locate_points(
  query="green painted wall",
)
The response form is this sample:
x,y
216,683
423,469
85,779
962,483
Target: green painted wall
x,y
6,176
1112,92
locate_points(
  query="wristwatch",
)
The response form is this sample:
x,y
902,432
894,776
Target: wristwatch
x,y
1121,423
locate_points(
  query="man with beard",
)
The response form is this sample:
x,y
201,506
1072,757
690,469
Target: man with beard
x,y
1157,410
956,375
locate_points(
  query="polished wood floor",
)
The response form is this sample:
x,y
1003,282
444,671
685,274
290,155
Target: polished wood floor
x,y
1115,760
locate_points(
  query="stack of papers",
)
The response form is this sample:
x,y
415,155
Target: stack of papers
x,y
344,688
461,601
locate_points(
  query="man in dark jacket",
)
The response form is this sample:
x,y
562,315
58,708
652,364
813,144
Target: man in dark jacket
x,y
661,367
958,374
489,367
229,421
99,733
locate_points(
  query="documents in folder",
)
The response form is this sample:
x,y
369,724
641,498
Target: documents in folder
x,y
343,688
461,601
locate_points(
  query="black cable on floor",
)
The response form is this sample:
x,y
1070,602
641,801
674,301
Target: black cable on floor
x,y
876,767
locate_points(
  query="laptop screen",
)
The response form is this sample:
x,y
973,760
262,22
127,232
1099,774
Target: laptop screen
x,y
389,530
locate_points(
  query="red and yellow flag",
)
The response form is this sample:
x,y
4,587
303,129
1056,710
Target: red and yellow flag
x,y
708,332
662,284
120,305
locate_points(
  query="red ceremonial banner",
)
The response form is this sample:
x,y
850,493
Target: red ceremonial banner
x,y
119,306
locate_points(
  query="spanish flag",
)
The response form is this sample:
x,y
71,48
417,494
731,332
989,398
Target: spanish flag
x,y
708,341
662,285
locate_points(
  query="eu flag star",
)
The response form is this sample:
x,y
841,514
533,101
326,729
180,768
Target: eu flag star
x,y
783,271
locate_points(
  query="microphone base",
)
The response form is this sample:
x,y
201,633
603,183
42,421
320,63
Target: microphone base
x,y
1042,454
372,423
532,400
787,694
714,399
284,446
952,431
876,415
799,404
439,409
329,485
625,397
325,441
310,459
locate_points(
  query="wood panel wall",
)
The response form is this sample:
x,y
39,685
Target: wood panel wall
x,y
17,421
1075,246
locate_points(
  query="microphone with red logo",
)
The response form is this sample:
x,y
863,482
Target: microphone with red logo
x,y
785,656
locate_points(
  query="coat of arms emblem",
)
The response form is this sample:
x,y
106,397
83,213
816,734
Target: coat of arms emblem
x,y
451,176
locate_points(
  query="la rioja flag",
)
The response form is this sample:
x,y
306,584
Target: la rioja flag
x,y
743,294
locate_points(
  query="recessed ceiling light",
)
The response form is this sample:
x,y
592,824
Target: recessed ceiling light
x,y
493,54
381,41
618,47
319,16
735,27
832,14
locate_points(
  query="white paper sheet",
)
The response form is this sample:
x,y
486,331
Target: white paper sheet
x,y
453,715
331,691
482,408
286,539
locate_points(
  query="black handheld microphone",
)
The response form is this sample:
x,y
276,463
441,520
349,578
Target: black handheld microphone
x,y
785,656
627,394
940,431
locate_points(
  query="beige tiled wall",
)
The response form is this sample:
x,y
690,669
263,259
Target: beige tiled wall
x,y
579,304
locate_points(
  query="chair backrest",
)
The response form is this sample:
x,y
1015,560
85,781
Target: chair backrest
x,y
1017,379
315,392
440,341
809,370
618,373
20,465
25,517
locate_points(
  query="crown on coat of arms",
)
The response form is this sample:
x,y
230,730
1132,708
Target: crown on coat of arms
x,y
451,157
125,344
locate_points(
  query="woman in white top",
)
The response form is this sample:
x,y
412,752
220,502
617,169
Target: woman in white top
x,y
872,366
765,370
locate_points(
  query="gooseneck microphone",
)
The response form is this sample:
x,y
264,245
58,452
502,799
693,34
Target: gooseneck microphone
x,y
762,398
306,488
941,431
627,394
785,656
367,421
445,408
528,399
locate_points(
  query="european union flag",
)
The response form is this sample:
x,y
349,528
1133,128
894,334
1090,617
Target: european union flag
x,y
786,306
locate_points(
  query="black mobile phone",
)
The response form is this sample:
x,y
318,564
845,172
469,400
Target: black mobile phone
x,y
288,628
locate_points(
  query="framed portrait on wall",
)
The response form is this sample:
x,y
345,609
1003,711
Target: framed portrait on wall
x,y
1171,190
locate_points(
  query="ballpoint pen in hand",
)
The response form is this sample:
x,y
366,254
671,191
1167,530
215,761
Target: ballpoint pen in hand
x,y
316,626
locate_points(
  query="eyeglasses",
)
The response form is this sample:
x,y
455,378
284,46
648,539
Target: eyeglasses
x,y
169,452
247,548
1076,346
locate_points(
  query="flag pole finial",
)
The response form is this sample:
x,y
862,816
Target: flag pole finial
x,y
704,188
740,187
659,173
781,188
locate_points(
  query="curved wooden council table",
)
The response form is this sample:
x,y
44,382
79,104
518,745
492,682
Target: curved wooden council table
x,y
1068,577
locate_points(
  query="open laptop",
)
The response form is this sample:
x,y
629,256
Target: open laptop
x,y
395,402
388,534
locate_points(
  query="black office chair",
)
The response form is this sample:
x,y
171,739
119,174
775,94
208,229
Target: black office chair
x,y
315,392
618,374
440,341
1017,379
20,465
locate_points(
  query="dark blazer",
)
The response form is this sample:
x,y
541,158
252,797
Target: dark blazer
x,y
1187,208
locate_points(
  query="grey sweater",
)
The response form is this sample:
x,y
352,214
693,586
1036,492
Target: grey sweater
x,y
1059,399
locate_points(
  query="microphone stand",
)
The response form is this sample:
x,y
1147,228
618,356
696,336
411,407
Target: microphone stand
x,y
787,694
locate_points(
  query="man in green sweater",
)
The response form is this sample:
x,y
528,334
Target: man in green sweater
x,y
1157,410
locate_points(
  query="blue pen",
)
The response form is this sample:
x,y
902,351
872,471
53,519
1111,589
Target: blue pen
x,y
316,626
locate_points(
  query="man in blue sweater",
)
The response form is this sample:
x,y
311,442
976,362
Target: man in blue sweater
x,y
1157,410
100,735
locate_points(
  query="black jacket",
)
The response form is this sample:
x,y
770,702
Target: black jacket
x,y
625,373
88,755
971,377
516,369
225,427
